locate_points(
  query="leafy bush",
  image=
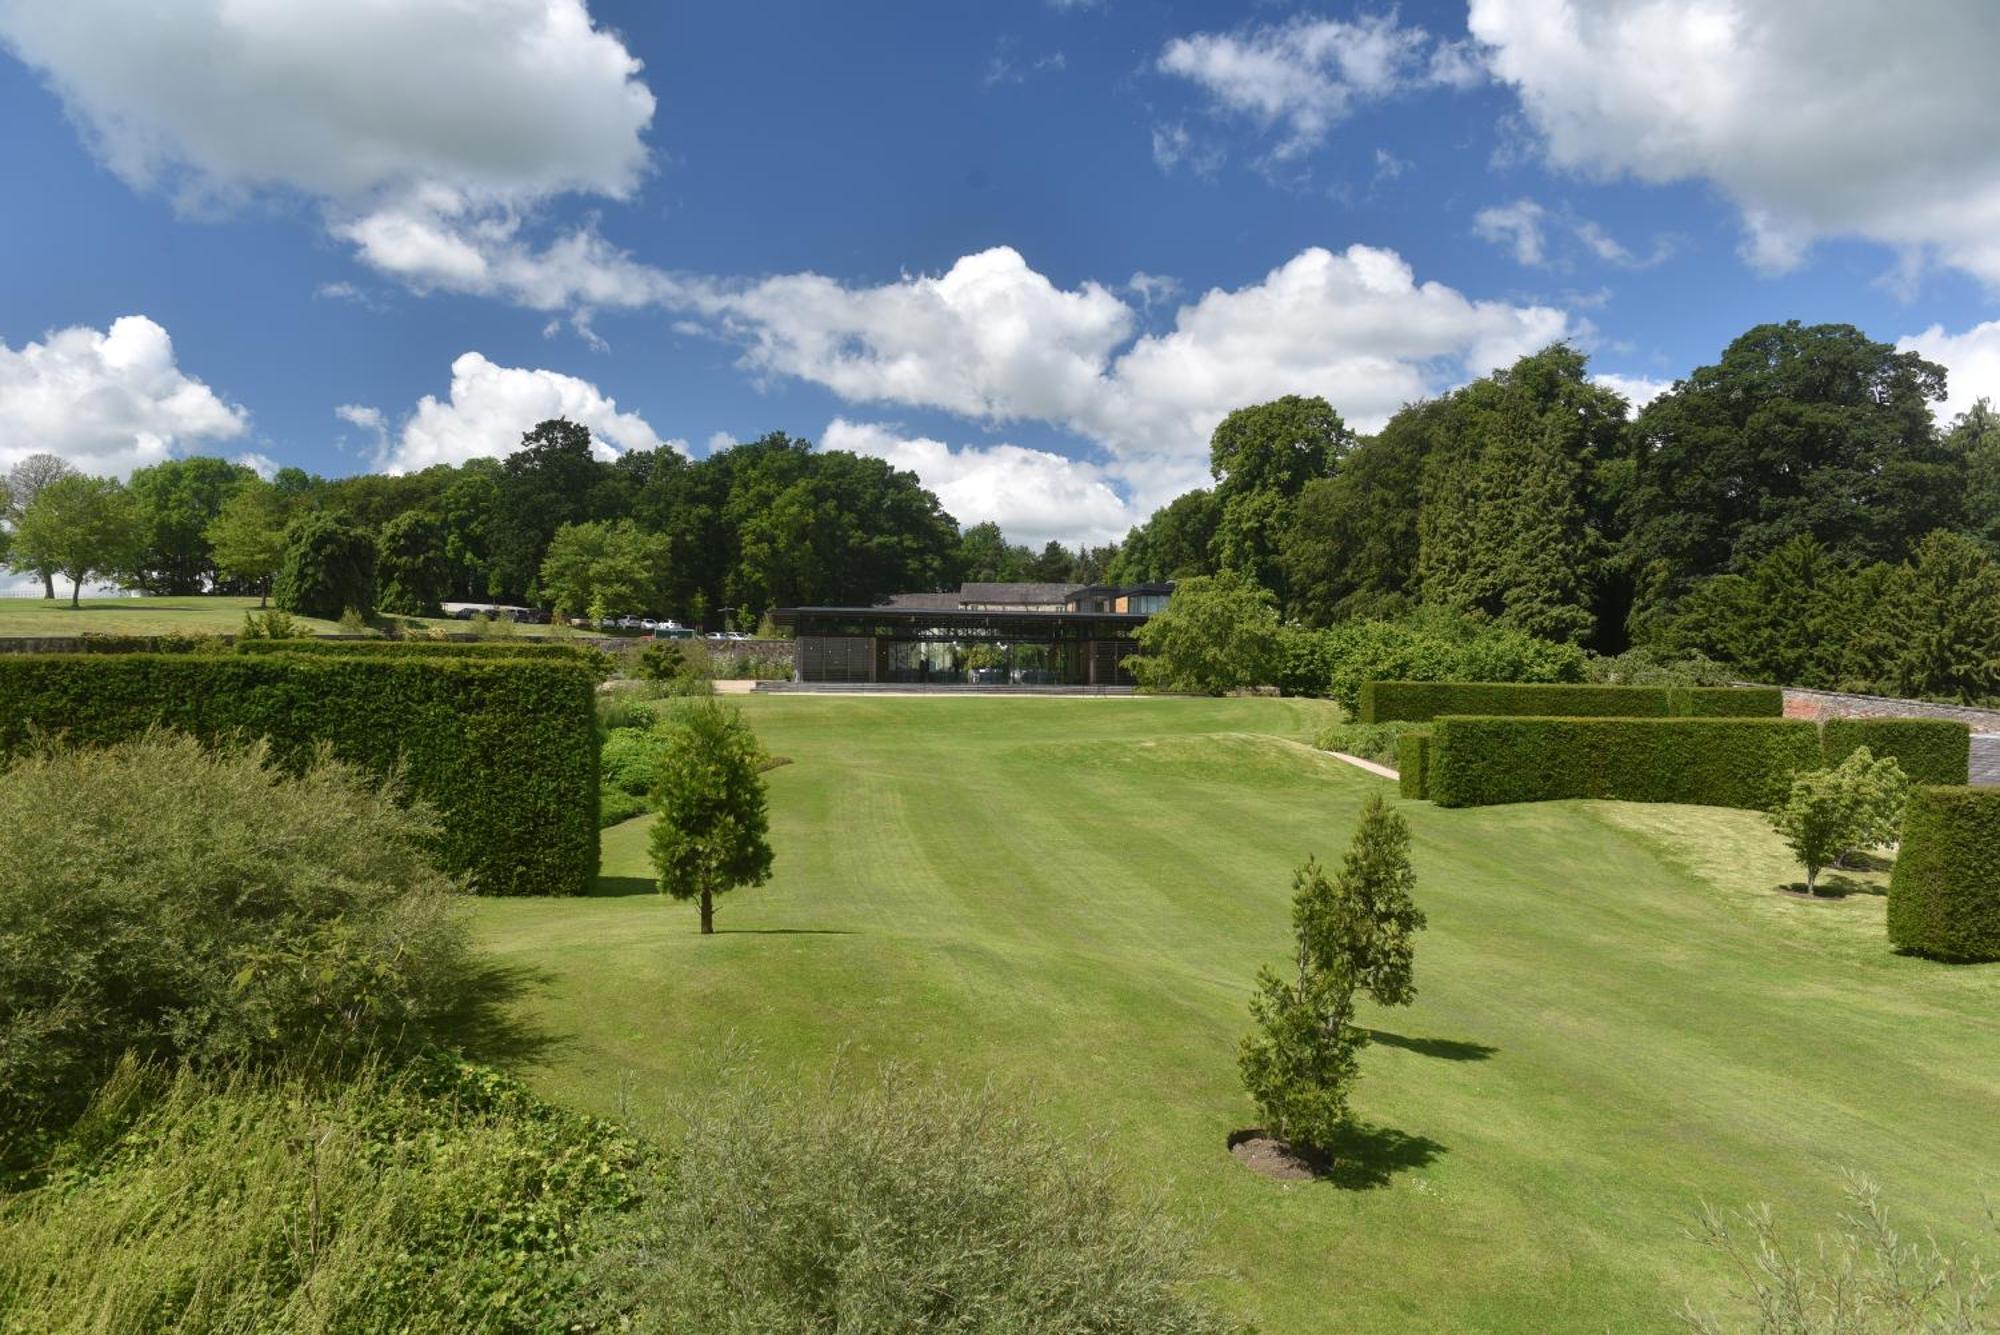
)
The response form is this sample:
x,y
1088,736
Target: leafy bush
x,y
1726,762
197,905
1854,805
1866,1278
1378,742
1218,634
1944,895
615,806
1431,645
1646,665
1421,701
441,1198
1929,750
504,750
627,760
677,667
271,624
328,570
98,642
593,658
901,1205
1413,763
626,708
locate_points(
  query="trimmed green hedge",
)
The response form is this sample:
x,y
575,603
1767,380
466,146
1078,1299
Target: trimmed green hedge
x,y
1930,750
1724,762
1422,701
1944,895
1413,759
505,750
582,653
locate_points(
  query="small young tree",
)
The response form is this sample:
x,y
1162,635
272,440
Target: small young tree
x,y
710,833
1305,1051
1828,812
1376,918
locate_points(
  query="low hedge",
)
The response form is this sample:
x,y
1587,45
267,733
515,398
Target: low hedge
x,y
582,653
1422,701
1944,895
505,750
1413,759
1725,762
1930,750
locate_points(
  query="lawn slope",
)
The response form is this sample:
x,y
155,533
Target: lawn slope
x,y
1618,1015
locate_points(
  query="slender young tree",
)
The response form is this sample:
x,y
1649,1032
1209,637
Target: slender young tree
x,y
1375,918
709,836
248,536
1301,1059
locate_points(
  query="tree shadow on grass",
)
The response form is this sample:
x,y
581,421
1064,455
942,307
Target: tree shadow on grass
x,y
1368,1156
1833,886
1445,1049
783,931
487,1026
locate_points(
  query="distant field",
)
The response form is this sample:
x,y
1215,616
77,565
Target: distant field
x,y
133,616
1619,1015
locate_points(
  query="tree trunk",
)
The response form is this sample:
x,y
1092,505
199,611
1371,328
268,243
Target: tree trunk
x,y
707,914
49,585
75,588
264,593
1812,880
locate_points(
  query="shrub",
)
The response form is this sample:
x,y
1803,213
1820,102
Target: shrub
x,y
505,751
270,624
1864,1278
1727,762
1413,763
616,806
626,708
441,1198
1421,701
427,648
1431,645
1370,741
676,667
196,905
1828,812
328,570
1219,633
1944,895
1936,751
627,761
901,1205
1645,665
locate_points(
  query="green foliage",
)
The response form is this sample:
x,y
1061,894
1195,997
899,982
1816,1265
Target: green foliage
x,y
1944,895
677,667
1864,1280
444,1197
1792,617
1854,805
411,565
205,906
1929,750
1374,918
627,760
1351,548
247,536
1261,457
1647,665
1219,633
904,1204
615,806
1421,701
613,564
272,624
583,655
1938,630
711,833
1173,544
80,528
1727,762
1430,645
1413,763
25,481
329,567
1304,1054
177,501
1378,742
505,751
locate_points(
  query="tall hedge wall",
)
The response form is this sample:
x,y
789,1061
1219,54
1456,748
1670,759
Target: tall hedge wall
x,y
1725,762
1421,701
1930,750
505,750
1413,758
579,653
1944,895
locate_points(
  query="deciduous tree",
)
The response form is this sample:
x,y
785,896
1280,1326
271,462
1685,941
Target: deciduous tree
x,y
25,481
329,568
1219,633
247,537
79,527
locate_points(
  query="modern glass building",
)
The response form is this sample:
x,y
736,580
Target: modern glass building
x,y
982,635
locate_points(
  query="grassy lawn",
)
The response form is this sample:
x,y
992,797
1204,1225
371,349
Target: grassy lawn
x,y
199,615
1618,1016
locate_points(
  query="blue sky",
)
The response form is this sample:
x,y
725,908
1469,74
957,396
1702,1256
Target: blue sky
x,y
1031,250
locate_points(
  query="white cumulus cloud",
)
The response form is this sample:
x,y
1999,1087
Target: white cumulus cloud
x,y
1305,76
427,131
1033,495
1971,361
1638,390
1817,118
108,401
490,407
